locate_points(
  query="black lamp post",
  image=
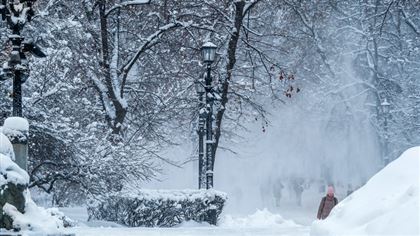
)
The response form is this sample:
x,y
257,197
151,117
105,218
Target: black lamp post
x,y
209,53
17,13
386,106
199,88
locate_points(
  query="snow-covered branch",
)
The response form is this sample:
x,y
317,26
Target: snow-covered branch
x,y
126,4
146,44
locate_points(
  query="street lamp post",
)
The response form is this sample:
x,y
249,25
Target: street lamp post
x,y
386,110
199,87
209,53
17,13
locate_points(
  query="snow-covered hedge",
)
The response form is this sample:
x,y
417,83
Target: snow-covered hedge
x,y
159,208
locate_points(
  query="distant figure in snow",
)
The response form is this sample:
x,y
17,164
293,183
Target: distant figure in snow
x,y
327,204
297,185
277,192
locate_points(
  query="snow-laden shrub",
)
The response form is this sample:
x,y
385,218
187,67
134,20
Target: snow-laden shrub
x,y
159,208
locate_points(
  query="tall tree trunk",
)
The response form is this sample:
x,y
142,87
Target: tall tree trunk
x,y
114,120
232,48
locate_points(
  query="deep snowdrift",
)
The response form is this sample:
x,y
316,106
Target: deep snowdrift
x,y
387,204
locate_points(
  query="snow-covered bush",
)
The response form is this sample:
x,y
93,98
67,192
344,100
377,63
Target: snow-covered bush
x,y
54,167
161,208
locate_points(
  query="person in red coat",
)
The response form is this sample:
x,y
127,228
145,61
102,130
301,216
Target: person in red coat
x,y
327,204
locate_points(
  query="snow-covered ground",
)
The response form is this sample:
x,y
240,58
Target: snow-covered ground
x,y
387,205
260,223
191,231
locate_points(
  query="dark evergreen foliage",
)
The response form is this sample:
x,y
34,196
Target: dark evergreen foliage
x,y
159,208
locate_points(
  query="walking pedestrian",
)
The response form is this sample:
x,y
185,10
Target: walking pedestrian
x,y
327,204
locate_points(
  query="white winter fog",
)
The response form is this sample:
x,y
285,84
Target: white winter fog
x,y
303,148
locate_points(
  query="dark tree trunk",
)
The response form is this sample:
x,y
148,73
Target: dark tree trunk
x,y
120,111
232,47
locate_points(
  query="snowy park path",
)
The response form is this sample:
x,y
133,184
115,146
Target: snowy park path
x,y
191,231
262,223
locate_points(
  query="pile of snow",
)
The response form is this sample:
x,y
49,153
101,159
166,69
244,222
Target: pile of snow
x,y
16,127
37,219
16,123
387,204
6,147
193,224
10,172
260,219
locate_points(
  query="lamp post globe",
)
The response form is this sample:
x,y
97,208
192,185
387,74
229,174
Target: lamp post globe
x,y
208,51
199,87
385,106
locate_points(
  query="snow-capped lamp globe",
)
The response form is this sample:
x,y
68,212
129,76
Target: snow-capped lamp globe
x,y
385,106
199,87
208,51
